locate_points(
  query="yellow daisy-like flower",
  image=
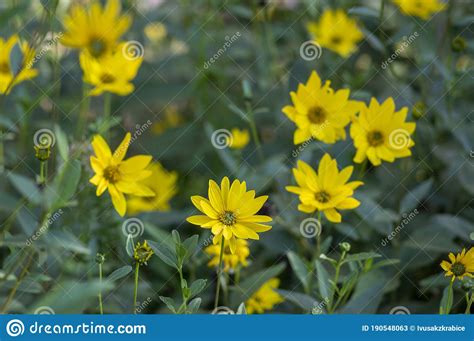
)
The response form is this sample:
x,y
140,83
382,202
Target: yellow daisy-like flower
x,y
460,265
230,212
420,8
117,175
320,112
381,133
326,191
265,298
171,119
111,73
96,29
231,260
8,77
162,183
239,138
336,31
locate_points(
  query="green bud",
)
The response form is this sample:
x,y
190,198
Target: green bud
x,y
345,246
43,152
419,110
458,44
99,258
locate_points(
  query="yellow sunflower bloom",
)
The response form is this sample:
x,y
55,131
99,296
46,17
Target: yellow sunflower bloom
x,y
8,77
320,112
96,29
230,212
231,260
381,133
264,298
325,191
460,265
117,175
239,139
162,183
337,32
420,8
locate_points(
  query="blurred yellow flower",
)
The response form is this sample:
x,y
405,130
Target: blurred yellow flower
x,y
231,260
239,138
336,31
230,212
171,119
460,265
320,112
113,72
264,298
117,175
8,77
96,29
420,8
381,133
327,190
162,183
155,32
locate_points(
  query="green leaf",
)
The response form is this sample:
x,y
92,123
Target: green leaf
x,y
197,286
364,11
326,290
164,253
356,257
238,111
305,302
250,285
299,268
169,303
64,185
241,310
414,197
26,187
190,246
194,305
129,247
447,300
61,142
119,273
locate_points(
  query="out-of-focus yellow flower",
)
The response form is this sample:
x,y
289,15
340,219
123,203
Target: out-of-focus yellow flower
x,y
320,112
155,32
326,191
96,29
459,265
171,119
264,298
381,133
231,260
420,8
162,183
336,31
239,138
230,212
117,175
8,77
113,72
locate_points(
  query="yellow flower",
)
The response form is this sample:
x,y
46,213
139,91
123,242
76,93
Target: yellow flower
x,y
117,175
337,32
239,139
162,183
8,77
230,212
142,253
96,29
155,32
231,260
171,119
381,133
460,265
420,8
327,190
319,112
113,72
264,298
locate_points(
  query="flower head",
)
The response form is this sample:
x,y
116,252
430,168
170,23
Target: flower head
x,y
142,253
460,265
231,260
337,32
320,112
239,139
230,212
381,133
264,298
117,175
420,8
96,29
171,119
326,191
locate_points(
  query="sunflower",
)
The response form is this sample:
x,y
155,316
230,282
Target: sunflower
x,y
96,29
325,191
381,133
420,8
336,31
162,183
460,265
239,139
230,212
320,112
264,298
231,260
117,175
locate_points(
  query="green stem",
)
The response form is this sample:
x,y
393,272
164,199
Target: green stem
x,y
382,7
332,306
83,111
43,172
101,307
450,298
469,303
181,280
363,168
135,292
253,129
107,110
219,273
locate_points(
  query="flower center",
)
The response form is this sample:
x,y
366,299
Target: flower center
x,y
336,40
4,68
375,138
107,78
112,174
317,115
458,269
96,47
228,218
322,197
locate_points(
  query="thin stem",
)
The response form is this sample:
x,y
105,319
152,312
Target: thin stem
x,y
219,273
450,298
331,305
107,110
43,172
181,280
469,303
253,129
83,111
101,308
135,292
382,7
363,168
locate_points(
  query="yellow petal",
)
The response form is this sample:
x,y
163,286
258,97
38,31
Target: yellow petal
x,y
121,150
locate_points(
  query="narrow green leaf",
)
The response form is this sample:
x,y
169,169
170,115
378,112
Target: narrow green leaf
x,y
119,273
